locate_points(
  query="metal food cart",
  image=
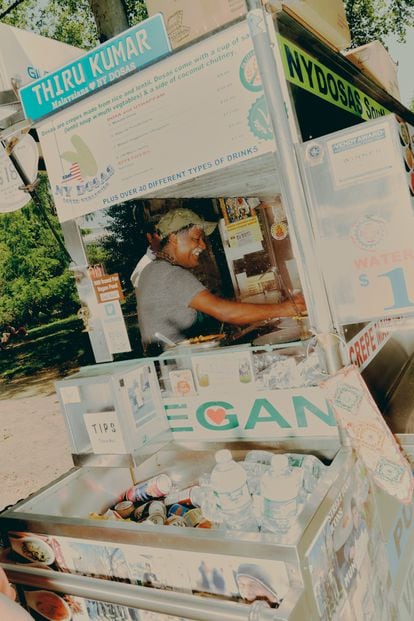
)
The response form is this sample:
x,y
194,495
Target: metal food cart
x,y
99,564
94,559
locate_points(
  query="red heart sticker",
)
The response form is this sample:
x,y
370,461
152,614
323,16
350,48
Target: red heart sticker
x,y
217,415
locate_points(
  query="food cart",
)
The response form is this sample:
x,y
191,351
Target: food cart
x,y
128,421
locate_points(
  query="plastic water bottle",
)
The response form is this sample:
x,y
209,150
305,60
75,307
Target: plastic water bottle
x,y
312,469
280,489
229,484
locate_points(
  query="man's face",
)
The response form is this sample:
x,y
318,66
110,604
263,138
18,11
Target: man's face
x,y
154,241
190,244
251,590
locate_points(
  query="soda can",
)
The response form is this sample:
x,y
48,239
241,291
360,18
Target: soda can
x,y
141,512
204,524
156,507
193,517
125,508
157,487
177,510
175,520
156,518
183,496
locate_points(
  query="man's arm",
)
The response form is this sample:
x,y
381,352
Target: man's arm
x,y
240,313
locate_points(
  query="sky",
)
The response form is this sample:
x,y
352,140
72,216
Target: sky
x,y
403,53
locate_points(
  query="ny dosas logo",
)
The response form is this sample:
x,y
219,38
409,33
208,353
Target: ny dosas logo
x,y
81,159
83,181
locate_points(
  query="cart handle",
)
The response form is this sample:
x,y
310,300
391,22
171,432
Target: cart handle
x,y
147,598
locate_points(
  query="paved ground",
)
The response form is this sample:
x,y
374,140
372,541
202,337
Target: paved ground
x,y
34,445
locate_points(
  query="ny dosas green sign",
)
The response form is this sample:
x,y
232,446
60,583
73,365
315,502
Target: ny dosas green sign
x,y
306,72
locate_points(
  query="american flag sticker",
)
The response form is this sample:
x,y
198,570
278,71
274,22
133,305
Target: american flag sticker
x,y
74,173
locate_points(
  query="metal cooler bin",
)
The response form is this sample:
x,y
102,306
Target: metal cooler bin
x,y
332,564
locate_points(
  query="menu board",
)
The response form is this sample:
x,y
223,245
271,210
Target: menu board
x,y
198,111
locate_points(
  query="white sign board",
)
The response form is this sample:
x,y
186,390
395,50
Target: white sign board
x,y
114,327
223,415
104,432
25,56
11,196
198,111
363,209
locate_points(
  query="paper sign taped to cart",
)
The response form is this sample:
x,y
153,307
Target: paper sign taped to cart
x,y
104,432
362,198
205,103
269,414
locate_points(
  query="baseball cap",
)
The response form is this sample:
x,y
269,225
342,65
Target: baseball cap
x,y
179,218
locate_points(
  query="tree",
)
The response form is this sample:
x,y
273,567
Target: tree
x,y
111,18
82,23
21,15
35,283
126,242
378,19
85,23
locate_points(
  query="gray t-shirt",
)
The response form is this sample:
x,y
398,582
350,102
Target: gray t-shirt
x,y
163,296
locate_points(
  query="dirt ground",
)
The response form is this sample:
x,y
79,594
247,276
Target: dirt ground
x,y
34,444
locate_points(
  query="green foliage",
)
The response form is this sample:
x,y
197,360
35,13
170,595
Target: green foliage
x,y
379,19
136,11
97,255
69,21
125,243
58,347
34,279
21,16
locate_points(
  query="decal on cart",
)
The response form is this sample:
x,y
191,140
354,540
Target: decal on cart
x,y
277,413
259,120
249,73
236,578
348,569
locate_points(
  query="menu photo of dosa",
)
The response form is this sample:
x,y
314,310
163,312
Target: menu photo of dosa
x,y
182,383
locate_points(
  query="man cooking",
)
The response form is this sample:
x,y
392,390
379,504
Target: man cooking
x,y
171,298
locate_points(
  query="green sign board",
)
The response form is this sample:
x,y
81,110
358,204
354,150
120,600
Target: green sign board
x,y
304,71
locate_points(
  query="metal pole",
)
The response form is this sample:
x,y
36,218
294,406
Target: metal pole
x,y
146,598
292,189
30,188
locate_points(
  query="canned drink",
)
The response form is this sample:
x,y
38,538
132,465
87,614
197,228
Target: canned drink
x,y
187,496
156,507
125,508
156,518
193,517
204,524
112,515
157,487
141,512
177,510
175,520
